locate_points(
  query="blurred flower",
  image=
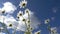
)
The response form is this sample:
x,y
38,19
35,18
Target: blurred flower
x,y
54,30
38,32
28,22
10,22
27,11
23,4
24,20
20,16
2,11
47,21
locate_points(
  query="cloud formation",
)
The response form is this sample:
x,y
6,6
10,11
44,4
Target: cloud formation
x,y
9,7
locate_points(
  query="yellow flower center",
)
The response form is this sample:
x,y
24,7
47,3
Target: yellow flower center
x,y
20,14
23,20
18,17
23,4
3,11
10,25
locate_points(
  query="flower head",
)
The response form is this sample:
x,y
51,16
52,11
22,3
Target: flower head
x,y
20,14
38,32
23,4
10,22
2,11
27,11
47,21
54,30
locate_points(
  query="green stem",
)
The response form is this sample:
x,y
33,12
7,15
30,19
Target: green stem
x,y
5,26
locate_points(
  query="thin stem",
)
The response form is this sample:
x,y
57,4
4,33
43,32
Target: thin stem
x,y
5,26
15,31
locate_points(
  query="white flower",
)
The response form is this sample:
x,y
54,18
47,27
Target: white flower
x,y
38,32
10,22
54,30
28,22
20,15
23,4
27,11
12,25
47,21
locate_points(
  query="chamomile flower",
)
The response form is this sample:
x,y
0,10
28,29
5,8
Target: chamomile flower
x,y
47,21
23,4
10,22
27,11
19,14
53,30
38,32
28,22
23,19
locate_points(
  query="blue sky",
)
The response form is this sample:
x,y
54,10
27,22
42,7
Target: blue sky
x,y
43,9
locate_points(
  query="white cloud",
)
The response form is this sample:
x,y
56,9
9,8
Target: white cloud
x,y
34,21
9,7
